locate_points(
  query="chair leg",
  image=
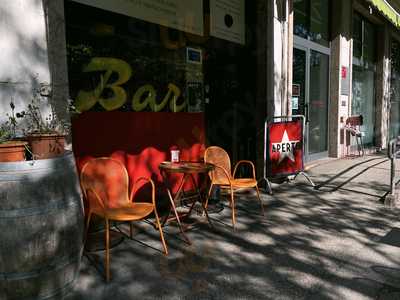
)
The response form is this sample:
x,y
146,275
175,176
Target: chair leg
x,y
208,195
107,242
233,209
161,232
87,228
259,198
362,146
207,198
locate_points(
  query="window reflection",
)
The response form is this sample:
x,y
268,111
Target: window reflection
x,y
395,90
363,87
311,20
301,18
319,21
319,76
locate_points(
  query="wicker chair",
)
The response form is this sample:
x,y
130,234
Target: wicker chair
x,y
222,176
105,184
353,126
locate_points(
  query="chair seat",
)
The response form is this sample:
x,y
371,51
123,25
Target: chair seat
x,y
354,132
131,212
239,183
244,182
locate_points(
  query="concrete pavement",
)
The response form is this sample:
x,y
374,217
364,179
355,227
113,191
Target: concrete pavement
x,y
334,242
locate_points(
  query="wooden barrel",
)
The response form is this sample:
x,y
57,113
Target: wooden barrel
x,y
41,228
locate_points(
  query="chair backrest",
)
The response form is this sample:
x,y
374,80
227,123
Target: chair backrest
x,y
354,121
107,178
219,157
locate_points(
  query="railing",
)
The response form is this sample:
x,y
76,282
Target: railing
x,y
393,153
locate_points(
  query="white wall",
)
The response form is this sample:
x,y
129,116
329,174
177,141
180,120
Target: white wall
x,y
23,52
278,64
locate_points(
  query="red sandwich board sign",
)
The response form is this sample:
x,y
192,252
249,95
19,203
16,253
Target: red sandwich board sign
x,y
285,151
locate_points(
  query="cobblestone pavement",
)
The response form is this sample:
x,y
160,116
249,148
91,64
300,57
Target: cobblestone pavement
x,y
335,242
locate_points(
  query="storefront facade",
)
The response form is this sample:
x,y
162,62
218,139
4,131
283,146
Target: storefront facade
x,y
228,65
311,62
356,42
196,65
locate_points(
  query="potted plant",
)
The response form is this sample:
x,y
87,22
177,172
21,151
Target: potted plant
x,y
11,149
45,135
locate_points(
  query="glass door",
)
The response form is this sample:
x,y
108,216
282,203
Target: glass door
x,y
310,98
318,103
299,90
363,102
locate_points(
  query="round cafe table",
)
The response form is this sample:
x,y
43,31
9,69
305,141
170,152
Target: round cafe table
x,y
188,169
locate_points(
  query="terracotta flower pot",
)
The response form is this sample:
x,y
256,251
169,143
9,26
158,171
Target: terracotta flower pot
x,y
46,145
12,151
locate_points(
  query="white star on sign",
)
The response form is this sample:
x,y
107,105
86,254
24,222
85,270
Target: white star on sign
x,y
285,148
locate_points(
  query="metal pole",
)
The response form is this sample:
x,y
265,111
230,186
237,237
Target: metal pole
x,y
268,184
392,153
392,175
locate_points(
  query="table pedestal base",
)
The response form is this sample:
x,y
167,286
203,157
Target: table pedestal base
x,y
187,172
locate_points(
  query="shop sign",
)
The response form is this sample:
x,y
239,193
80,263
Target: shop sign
x,y
285,148
295,96
345,81
295,103
344,72
182,15
227,20
296,89
144,97
193,55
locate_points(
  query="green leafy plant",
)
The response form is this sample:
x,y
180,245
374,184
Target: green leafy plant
x,y
37,123
8,128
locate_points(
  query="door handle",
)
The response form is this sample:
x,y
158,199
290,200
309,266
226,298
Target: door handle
x,y
306,112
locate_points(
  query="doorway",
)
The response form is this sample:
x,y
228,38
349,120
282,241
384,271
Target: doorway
x,y
310,94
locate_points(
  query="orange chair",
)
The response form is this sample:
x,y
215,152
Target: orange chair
x,y
222,176
105,184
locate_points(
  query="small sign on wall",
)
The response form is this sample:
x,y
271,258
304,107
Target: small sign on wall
x,y
193,55
227,20
182,15
296,89
295,102
345,81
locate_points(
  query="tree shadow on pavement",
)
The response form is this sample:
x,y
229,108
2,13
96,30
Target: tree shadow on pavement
x,y
309,245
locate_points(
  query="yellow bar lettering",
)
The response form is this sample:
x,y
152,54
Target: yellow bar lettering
x,y
176,92
138,104
87,99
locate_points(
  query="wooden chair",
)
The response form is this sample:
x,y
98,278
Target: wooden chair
x,y
222,176
353,126
105,185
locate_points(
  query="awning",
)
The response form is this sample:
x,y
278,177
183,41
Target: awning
x,y
387,10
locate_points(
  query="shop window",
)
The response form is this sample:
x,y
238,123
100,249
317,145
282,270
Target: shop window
x,y
357,36
301,13
364,41
311,20
369,46
363,78
395,60
125,63
395,90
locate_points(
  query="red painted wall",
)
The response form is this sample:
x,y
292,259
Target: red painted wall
x,y
141,140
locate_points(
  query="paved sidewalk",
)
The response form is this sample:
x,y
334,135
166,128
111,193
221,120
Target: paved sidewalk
x,y
336,242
